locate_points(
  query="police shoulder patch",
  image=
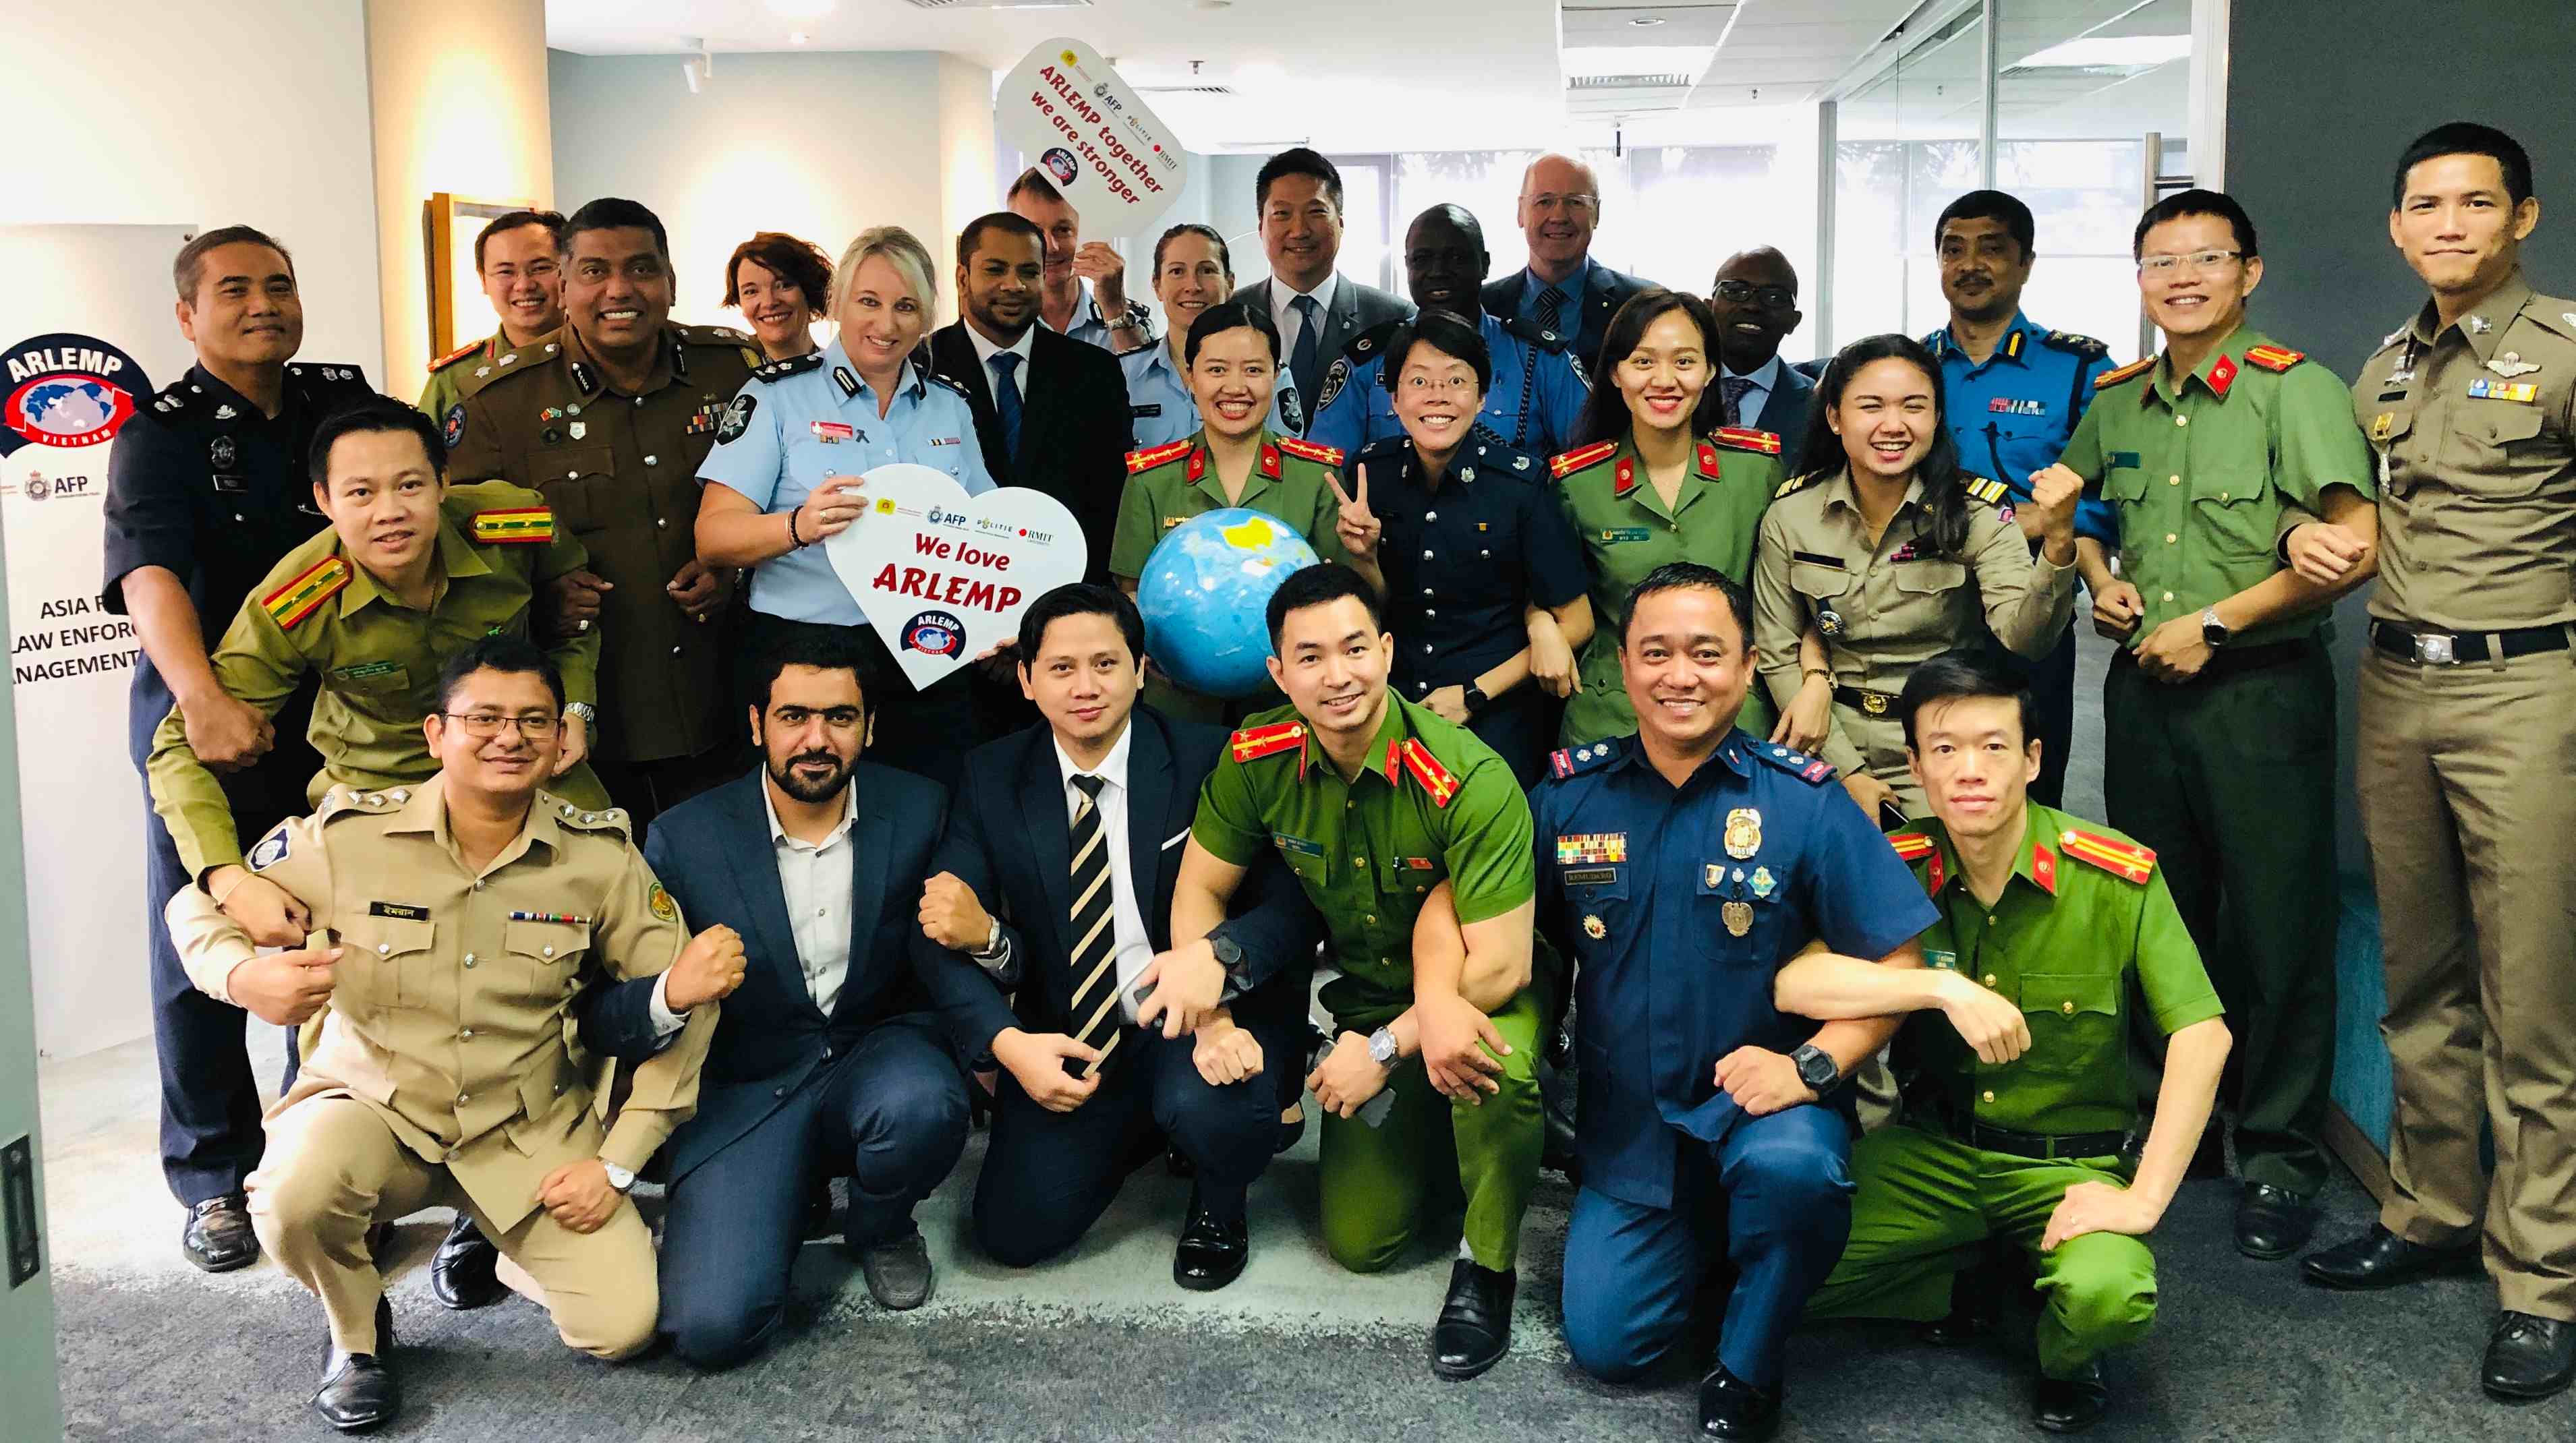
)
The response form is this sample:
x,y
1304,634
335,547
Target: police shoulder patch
x,y
1163,455
606,819
1746,438
2118,856
1813,770
1253,743
303,594
2274,358
2085,346
1590,757
1580,458
662,905
737,416
454,356
1986,489
1911,846
777,371
2129,372
513,526
952,385
1795,484
1426,770
272,849
1312,450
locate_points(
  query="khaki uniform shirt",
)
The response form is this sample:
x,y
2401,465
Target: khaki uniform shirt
x,y
1434,804
2085,911
2200,468
378,660
2476,432
447,1017
621,473
1883,607
1627,531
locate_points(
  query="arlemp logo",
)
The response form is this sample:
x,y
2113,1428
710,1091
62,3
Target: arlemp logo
x,y
67,390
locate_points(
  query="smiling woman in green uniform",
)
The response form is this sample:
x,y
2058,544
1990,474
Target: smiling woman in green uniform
x,y
1656,479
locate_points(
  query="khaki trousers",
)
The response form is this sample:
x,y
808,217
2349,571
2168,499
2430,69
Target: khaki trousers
x,y
2464,774
333,1169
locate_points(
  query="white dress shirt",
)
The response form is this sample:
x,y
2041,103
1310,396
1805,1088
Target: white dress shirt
x,y
1133,945
1765,379
1285,316
815,880
985,351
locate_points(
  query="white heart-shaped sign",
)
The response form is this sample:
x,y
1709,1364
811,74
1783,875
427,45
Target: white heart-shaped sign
x,y
944,576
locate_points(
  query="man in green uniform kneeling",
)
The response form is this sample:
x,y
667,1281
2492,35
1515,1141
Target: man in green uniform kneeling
x,y
2020,1119
1389,815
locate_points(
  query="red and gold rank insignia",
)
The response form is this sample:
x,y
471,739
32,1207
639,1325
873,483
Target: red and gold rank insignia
x,y
2126,860
1254,743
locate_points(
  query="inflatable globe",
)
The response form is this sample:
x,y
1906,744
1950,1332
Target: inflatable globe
x,y
1203,595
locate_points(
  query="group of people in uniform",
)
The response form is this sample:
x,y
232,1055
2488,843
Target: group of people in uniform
x,y
1659,715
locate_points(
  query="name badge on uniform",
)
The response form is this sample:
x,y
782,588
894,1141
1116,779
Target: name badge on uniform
x,y
404,910
2483,389
1298,845
1590,876
1141,412
2119,459
1613,534
2011,406
1940,961
829,432
232,485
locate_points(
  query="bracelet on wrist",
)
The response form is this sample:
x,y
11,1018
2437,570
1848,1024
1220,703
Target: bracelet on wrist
x,y
794,541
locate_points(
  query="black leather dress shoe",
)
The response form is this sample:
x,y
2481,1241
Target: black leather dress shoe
x,y
1212,1252
1289,1133
358,1392
1475,1326
464,1275
2529,1357
1729,1407
2273,1222
2382,1259
898,1272
2071,1405
217,1236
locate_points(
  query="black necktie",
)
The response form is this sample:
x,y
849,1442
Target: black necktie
x,y
1096,1015
1305,354
1006,400
1551,306
1731,391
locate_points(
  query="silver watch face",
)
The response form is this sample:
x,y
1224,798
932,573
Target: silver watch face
x,y
1382,1048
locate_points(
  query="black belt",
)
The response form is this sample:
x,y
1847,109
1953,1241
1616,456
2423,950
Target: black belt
x,y
2041,1146
2227,661
1867,703
2443,648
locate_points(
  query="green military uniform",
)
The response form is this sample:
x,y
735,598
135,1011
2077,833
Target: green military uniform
x,y
1885,604
1986,1150
445,389
1168,484
2468,726
1627,531
621,473
2232,774
1434,804
319,613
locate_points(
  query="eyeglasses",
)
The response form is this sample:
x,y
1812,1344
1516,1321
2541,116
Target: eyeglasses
x,y
1570,204
486,725
2163,266
1773,298
1420,385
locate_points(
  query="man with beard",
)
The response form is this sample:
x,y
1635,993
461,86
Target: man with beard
x,y
2013,395
1535,392
827,1062
523,279
1085,293
1755,300
1563,289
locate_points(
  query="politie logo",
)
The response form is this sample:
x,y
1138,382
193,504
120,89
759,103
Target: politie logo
x,y
935,632
67,390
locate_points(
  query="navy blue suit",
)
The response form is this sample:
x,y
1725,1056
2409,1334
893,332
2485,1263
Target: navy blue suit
x,y
788,1094
1047,1176
1784,414
1677,906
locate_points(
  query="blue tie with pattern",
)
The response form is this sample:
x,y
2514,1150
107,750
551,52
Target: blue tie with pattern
x,y
1551,307
1006,400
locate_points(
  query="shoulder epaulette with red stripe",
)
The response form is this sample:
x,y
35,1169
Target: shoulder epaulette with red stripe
x,y
1312,450
454,356
1426,769
1745,438
2117,374
518,525
2274,358
1567,463
2126,860
301,597
1912,846
1254,743
1163,455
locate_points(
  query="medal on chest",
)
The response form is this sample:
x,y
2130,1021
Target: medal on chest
x,y
1743,833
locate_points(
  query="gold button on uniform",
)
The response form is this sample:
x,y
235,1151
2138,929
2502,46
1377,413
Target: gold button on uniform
x,y
2067,1007
1990,979
1988,1094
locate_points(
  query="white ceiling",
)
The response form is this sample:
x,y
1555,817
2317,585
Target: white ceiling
x,y
1378,75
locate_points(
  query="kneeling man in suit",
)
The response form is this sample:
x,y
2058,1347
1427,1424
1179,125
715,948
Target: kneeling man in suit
x,y
1055,881
827,1061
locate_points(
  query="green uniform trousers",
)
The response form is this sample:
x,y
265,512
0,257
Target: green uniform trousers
x,y
1431,1154
1925,1203
2230,778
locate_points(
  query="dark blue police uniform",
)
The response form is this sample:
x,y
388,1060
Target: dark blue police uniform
x,y
1463,563
204,485
1677,907
2012,415
1534,402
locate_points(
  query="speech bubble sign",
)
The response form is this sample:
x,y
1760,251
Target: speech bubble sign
x,y
943,575
1088,131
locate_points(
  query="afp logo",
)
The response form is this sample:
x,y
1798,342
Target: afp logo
x,y
936,633
67,390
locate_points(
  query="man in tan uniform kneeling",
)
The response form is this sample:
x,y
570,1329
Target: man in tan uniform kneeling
x,y
451,925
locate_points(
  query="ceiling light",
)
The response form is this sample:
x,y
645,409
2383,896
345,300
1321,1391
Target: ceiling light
x,y
801,9
1646,20
2099,50
1588,60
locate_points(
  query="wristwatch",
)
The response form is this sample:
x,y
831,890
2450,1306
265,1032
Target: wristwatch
x,y
1382,1049
992,947
1816,1068
589,714
2213,632
618,1177
1476,699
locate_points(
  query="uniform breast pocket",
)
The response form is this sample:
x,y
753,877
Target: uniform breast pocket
x,y
2231,515
1411,876
1818,581
579,483
545,956
1737,913
1930,577
1304,858
2501,449
2074,1022
2124,480
372,679
386,964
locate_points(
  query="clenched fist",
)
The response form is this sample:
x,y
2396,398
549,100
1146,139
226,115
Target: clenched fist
x,y
2049,518
709,969
952,915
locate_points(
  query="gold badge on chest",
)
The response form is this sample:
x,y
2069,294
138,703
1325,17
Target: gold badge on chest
x,y
1743,833
1739,918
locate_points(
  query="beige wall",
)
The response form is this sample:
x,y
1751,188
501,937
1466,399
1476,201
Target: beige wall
x,y
458,91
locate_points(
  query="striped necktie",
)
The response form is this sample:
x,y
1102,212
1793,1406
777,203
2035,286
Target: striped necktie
x,y
1096,1015
1551,307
